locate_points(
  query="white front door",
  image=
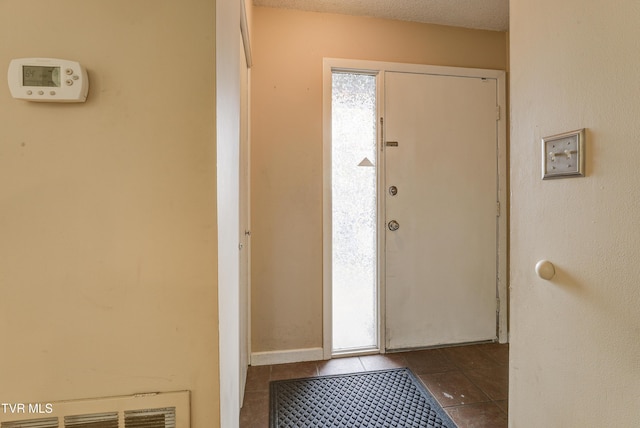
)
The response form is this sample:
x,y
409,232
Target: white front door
x,y
441,159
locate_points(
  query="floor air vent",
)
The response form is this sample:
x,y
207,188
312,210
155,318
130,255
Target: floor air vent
x,y
156,410
98,420
154,418
32,423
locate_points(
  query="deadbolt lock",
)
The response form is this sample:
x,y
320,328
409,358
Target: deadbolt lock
x,y
393,190
393,225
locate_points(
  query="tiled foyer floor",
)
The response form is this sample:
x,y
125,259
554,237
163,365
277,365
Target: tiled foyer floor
x,y
470,382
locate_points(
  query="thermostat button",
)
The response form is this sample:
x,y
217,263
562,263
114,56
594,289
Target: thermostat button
x,y
40,92
29,92
52,92
69,82
75,77
69,71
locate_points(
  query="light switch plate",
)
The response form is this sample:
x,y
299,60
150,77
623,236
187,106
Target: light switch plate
x,y
563,155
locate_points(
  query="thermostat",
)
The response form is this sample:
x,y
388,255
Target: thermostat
x,y
48,80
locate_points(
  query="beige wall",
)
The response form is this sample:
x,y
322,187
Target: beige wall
x,y
574,340
108,248
287,147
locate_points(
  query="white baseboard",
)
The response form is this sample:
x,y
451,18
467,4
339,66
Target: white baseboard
x,y
286,356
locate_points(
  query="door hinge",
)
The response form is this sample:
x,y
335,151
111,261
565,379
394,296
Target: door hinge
x,y
497,112
498,209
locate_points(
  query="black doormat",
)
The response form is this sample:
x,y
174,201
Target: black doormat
x,y
378,399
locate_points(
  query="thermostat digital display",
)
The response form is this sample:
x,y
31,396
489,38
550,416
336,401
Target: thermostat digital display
x,y
48,80
35,75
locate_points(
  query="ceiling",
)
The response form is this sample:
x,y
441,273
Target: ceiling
x,y
478,14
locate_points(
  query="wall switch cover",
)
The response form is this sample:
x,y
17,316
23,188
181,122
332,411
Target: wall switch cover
x,y
563,155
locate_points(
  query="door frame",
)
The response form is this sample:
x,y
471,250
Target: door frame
x,y
244,209
380,69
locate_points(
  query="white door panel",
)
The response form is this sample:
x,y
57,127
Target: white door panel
x,y
441,262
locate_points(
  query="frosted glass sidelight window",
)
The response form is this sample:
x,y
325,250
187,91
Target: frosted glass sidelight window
x,y
354,207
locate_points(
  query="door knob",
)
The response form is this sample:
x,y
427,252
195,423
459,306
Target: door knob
x,y
393,225
545,269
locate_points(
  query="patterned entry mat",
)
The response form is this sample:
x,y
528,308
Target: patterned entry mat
x,y
378,399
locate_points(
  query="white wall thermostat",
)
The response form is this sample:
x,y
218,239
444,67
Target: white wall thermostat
x,y
48,80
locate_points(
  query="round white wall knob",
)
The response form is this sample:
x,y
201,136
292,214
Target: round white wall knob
x,y
545,269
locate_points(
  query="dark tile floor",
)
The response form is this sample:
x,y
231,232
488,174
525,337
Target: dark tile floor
x,y
470,382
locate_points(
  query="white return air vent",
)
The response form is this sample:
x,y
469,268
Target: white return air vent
x,y
154,410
